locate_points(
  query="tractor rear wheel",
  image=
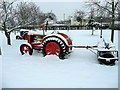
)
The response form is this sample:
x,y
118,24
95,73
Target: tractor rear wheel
x,y
26,49
54,47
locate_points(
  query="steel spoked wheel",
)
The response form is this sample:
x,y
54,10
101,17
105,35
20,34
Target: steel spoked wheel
x,y
54,47
25,49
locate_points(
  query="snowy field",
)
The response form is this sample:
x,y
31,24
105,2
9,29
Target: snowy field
x,y
0,64
80,70
0,72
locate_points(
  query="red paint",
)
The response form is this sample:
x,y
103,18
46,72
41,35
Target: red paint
x,y
25,37
25,49
52,48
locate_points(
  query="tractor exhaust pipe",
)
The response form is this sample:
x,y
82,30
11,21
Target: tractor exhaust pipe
x,y
43,29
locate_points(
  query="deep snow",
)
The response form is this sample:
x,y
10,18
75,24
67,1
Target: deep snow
x,y
80,70
0,64
0,72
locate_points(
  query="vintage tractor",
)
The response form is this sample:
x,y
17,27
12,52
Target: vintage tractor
x,y
23,34
52,44
61,45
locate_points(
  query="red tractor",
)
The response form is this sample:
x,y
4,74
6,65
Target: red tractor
x,y
52,44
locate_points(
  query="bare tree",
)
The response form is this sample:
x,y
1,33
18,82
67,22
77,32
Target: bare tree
x,y
79,15
29,11
8,19
110,7
51,15
5,10
118,9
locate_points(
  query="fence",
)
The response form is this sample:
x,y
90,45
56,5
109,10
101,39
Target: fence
x,y
60,27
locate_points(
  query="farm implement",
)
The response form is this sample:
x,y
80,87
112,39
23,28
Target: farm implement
x,y
61,45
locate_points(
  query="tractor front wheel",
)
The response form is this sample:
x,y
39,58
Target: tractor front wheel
x,y
26,49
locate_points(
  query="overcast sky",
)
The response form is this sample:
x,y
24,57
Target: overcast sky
x,y
61,8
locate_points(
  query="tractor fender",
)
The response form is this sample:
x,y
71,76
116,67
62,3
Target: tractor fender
x,y
26,44
57,36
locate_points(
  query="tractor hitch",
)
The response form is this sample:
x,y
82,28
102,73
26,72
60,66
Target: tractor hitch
x,y
87,47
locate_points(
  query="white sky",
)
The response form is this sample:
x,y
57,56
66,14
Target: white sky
x,y
61,8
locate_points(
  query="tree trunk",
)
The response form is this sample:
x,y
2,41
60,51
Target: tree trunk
x,y
92,31
81,22
7,34
0,51
8,40
113,20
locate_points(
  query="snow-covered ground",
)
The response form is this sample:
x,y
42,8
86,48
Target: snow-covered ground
x,y
0,73
80,70
0,64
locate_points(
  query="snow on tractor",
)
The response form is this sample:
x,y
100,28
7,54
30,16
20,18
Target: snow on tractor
x,y
23,34
61,45
52,44
107,53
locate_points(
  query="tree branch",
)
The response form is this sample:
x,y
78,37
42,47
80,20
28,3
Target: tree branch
x,y
19,26
103,7
10,4
116,5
